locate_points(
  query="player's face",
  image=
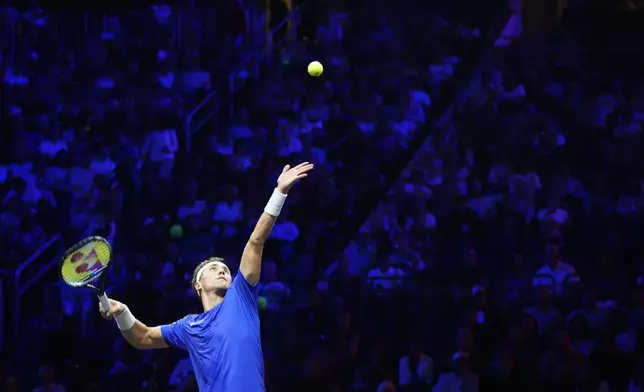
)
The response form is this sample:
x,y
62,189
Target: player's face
x,y
216,277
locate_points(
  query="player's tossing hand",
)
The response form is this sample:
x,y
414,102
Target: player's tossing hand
x,y
116,308
291,175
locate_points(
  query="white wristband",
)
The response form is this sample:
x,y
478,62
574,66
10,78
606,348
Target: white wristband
x,y
275,203
125,321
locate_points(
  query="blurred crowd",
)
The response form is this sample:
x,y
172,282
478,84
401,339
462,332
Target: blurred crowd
x,y
518,223
505,257
89,123
94,144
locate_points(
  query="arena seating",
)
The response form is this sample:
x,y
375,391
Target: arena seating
x,y
507,247
536,158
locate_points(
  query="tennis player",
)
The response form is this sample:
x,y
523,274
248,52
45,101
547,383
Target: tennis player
x,y
223,341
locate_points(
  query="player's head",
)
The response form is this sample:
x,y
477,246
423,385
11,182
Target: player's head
x,y
211,275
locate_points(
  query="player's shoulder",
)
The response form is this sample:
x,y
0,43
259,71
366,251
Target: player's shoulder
x,y
240,280
190,320
198,320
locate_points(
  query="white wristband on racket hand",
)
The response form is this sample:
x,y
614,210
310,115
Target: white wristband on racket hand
x,y
125,321
275,203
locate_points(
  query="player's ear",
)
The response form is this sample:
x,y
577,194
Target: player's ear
x,y
197,288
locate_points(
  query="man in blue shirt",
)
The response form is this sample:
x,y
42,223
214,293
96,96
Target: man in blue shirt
x,y
223,341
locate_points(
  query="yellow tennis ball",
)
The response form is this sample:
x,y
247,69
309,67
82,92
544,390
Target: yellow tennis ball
x,y
315,68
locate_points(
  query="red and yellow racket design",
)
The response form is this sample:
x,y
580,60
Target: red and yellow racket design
x,y
84,264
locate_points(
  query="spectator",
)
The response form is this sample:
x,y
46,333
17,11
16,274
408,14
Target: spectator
x,y
314,318
191,207
516,280
102,164
286,231
53,143
193,78
545,313
502,373
562,366
460,379
47,375
385,278
81,177
415,370
579,332
159,148
560,273
228,214
376,369
272,288
181,373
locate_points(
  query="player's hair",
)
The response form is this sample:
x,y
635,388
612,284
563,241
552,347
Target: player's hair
x,y
200,266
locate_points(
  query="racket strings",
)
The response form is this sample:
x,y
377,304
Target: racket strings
x,y
85,264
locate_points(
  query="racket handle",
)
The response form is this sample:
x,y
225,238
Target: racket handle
x,y
105,303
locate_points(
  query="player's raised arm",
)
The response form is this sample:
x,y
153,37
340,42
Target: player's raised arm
x,y
251,260
139,335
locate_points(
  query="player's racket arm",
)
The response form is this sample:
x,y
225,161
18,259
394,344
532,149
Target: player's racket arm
x,y
142,337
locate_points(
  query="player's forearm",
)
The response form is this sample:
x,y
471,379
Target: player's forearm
x,y
136,335
251,261
268,218
139,335
262,229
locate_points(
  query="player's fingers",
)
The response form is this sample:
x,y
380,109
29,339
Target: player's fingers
x,y
300,176
301,165
286,168
103,312
306,168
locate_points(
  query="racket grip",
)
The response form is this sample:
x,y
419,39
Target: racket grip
x,y
105,303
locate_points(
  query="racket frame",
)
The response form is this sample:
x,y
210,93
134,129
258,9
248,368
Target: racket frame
x,y
99,287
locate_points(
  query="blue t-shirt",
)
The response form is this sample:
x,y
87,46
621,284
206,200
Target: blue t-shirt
x,y
224,342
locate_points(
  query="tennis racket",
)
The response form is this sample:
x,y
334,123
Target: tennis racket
x,y
84,265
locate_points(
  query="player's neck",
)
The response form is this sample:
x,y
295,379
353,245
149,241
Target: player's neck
x,y
210,300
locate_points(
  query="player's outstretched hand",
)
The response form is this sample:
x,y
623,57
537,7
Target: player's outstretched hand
x,y
291,175
116,308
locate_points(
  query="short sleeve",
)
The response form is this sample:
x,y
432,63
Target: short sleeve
x,y
246,292
175,334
